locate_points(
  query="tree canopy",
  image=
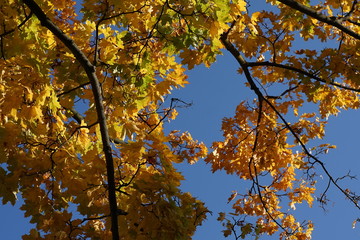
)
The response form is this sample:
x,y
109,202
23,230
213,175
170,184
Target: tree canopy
x,y
85,92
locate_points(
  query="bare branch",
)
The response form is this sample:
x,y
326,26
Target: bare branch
x,y
19,26
333,21
302,72
73,89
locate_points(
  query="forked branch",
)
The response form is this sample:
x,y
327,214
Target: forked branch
x,y
263,100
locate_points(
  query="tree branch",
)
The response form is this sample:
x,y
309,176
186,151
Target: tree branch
x,y
302,72
319,16
27,17
245,66
73,89
91,73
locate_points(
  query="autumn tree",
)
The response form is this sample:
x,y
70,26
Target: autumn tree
x,y
85,92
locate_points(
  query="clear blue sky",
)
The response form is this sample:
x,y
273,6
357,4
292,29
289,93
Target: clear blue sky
x,y
215,92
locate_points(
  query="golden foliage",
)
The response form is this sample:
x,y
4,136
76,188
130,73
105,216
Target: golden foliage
x,y
50,140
